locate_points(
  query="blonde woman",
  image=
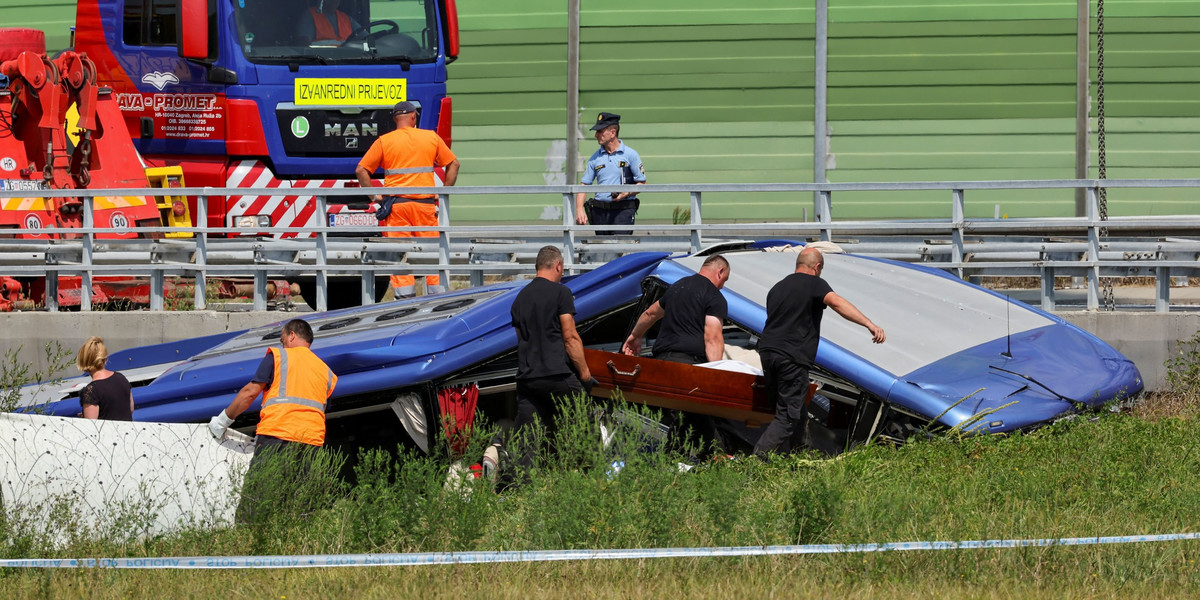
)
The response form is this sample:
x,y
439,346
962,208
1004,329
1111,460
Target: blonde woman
x,y
109,395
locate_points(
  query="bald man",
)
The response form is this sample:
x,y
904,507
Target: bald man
x,y
788,345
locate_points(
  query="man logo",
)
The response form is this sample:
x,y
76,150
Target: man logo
x,y
159,80
351,129
351,143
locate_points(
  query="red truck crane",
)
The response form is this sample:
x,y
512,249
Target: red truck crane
x,y
59,130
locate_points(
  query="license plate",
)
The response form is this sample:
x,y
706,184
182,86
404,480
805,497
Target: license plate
x,y
353,219
21,185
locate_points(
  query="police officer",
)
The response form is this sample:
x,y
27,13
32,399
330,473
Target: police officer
x,y
295,385
613,164
408,156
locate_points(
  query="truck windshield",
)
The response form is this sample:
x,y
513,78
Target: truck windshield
x,y
336,31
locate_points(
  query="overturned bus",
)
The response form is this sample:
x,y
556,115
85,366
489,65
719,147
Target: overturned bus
x,y
957,356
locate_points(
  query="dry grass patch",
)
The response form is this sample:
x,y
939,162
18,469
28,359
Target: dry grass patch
x,y
1168,405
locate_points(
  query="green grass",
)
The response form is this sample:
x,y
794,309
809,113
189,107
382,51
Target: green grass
x,y
1097,475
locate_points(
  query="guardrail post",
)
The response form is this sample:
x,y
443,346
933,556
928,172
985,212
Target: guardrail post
x,y
957,212
260,290
443,241
158,275
368,281
52,291
1162,290
568,230
367,275
695,222
323,257
1048,289
260,279
200,284
157,288
89,238
1093,272
823,209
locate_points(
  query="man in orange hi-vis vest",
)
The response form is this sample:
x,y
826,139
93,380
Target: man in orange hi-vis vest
x,y
408,156
296,386
325,23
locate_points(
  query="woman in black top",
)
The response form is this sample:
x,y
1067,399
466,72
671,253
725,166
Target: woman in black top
x,y
109,395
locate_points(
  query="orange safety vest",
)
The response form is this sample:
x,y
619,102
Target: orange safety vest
x,y
408,156
324,29
293,408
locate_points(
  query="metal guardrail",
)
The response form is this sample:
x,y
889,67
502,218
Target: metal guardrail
x,y
1086,248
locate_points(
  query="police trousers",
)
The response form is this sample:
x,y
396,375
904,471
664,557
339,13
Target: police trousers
x,y
600,212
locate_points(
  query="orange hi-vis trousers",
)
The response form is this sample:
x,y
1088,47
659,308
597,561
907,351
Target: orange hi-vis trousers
x,y
412,214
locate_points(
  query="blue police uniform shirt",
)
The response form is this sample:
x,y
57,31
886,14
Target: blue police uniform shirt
x,y
611,169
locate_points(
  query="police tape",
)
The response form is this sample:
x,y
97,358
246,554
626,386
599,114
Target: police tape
x,y
463,558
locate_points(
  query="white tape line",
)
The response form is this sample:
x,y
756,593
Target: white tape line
x,y
460,558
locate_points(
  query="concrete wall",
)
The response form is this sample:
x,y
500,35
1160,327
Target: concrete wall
x,y
1149,339
29,332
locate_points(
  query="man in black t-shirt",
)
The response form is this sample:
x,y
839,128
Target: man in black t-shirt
x,y
547,347
692,312
788,345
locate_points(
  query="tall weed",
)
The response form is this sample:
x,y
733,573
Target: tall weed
x,y
1181,395
1183,370
285,486
16,374
402,503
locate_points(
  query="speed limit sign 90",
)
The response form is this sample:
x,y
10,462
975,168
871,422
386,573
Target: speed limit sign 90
x,y
119,222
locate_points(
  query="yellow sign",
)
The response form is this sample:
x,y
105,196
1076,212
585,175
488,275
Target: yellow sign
x,y
350,92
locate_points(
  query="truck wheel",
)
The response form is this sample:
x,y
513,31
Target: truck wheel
x,y
341,293
15,40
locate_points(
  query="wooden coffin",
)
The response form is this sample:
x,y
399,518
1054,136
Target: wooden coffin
x,y
676,386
